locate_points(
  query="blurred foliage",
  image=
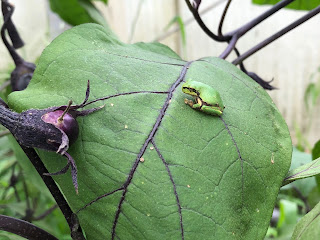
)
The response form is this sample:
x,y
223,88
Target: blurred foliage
x,y
294,201
299,159
179,21
315,155
22,198
311,101
308,226
77,12
312,93
316,151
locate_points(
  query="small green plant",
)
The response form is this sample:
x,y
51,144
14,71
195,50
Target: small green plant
x,y
311,102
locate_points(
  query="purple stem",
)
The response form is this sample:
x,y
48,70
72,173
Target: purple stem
x,y
23,228
236,34
7,10
275,36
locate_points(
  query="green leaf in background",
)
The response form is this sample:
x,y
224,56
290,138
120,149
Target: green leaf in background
x,y
311,95
105,1
297,4
305,171
28,168
179,21
149,166
309,226
10,236
76,12
305,185
315,155
7,159
316,151
288,217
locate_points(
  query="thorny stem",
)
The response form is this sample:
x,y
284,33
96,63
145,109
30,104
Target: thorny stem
x,y
275,36
223,17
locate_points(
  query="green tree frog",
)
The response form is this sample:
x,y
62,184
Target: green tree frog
x,y
207,99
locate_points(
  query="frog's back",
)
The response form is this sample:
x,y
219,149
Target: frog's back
x,y
199,86
209,93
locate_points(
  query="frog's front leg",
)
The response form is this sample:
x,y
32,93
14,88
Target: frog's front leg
x,y
194,104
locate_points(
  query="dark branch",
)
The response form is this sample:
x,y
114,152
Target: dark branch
x,y
23,229
230,47
275,36
197,17
248,26
53,188
188,21
235,35
16,40
223,17
7,11
254,76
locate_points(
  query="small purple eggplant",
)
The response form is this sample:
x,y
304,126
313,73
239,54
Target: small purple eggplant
x,y
51,129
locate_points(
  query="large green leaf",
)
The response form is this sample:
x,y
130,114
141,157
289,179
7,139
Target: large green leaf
x,y
76,12
149,166
309,226
297,4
